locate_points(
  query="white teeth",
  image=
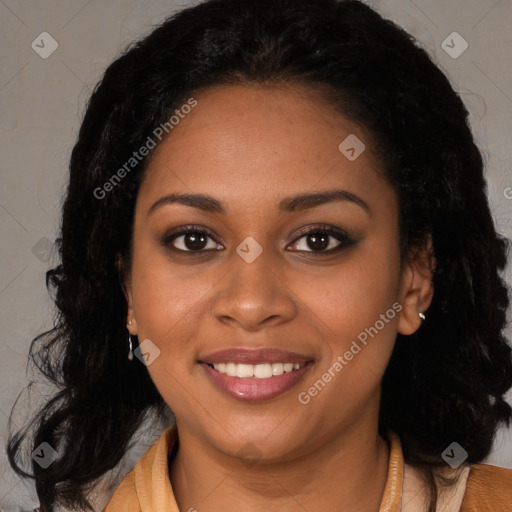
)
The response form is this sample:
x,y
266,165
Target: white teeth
x,y
230,369
262,371
259,371
277,368
244,370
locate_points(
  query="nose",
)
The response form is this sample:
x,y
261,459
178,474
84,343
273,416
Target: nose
x,y
254,295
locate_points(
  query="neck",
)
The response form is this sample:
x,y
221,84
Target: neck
x,y
347,472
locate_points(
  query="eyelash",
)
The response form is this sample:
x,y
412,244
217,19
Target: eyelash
x,y
342,236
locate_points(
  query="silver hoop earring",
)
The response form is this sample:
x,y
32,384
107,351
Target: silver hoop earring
x,y
422,316
130,353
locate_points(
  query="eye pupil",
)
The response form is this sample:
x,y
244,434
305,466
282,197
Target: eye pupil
x,y
194,241
318,241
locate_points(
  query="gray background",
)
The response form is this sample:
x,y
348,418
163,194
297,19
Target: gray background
x,y
42,102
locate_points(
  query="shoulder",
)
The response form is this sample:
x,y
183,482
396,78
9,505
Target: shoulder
x,y
135,490
488,488
123,498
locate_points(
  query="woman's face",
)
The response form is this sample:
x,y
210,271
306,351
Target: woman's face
x,y
256,280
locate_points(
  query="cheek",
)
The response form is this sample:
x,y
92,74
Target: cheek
x,y
165,305
357,310
354,308
168,298
350,297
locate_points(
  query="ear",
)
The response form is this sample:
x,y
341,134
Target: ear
x,y
126,286
416,288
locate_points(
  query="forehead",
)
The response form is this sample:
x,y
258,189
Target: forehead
x,y
252,140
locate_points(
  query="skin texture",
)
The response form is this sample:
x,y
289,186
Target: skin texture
x,y
250,147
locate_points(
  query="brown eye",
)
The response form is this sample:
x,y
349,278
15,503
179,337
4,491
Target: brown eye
x,y
323,240
190,239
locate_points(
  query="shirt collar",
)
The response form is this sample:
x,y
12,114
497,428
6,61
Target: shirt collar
x,y
154,491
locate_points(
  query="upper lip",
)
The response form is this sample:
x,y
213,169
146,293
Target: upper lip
x,y
253,356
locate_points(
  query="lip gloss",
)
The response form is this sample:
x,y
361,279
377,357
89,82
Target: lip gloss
x,y
254,389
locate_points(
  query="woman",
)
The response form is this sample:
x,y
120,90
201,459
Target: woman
x,y
276,225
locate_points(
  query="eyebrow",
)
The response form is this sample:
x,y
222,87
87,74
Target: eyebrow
x,y
290,204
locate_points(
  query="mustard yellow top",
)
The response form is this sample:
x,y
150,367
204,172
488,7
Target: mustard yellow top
x,y
147,488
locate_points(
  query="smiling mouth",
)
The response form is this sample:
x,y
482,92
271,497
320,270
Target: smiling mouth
x,y
258,371
256,382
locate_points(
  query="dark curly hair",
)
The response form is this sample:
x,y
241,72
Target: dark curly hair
x,y
444,383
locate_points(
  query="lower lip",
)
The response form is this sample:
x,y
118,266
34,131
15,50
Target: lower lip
x,y
253,389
